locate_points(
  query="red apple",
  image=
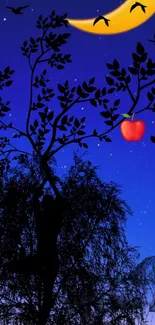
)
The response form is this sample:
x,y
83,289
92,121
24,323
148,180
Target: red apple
x,y
132,130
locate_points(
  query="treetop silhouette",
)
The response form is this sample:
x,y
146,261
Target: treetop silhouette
x,y
64,127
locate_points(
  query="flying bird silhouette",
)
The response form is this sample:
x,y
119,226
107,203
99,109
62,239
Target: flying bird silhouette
x,y
138,4
17,11
152,40
101,18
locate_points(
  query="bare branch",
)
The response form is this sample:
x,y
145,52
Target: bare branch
x,y
130,92
147,84
13,128
9,151
147,107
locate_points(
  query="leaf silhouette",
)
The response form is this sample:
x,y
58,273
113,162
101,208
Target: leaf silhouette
x,y
93,102
116,64
140,49
61,88
105,114
116,102
109,81
152,138
136,57
150,96
133,70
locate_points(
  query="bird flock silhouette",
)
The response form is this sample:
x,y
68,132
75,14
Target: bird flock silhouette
x,y
135,5
18,11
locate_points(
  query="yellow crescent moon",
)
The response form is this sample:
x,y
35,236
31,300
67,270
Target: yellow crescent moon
x,y
121,20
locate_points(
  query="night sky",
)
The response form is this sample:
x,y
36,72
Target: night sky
x,y
130,164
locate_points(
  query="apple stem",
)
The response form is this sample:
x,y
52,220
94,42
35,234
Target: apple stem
x,y
132,118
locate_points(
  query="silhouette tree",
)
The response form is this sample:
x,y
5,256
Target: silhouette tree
x,y
63,127
94,260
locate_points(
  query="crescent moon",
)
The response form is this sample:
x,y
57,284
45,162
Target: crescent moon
x,y
121,20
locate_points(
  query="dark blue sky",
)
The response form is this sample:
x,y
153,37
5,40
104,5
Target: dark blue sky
x,y
130,164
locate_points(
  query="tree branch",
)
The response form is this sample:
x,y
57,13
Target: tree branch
x,y
92,135
31,98
45,60
13,128
129,91
145,108
46,153
147,84
9,151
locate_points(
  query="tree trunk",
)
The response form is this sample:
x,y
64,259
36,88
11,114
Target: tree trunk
x,y
48,299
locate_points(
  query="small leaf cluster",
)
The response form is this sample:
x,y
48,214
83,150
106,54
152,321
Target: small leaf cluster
x,y
48,41
32,47
121,75
4,141
101,137
87,88
151,95
5,76
52,21
149,70
41,81
139,58
97,99
67,94
47,93
77,126
41,130
54,42
123,79
109,114
59,60
4,108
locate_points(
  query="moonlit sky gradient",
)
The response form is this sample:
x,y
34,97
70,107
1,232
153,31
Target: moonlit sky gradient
x,y
130,164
